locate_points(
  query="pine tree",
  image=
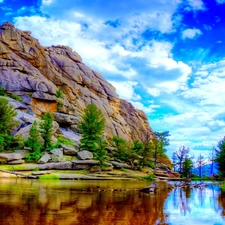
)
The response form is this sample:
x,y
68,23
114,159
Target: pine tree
x,y
7,122
46,130
92,127
34,139
187,167
100,152
220,157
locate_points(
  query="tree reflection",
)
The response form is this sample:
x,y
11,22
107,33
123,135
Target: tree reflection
x,y
43,205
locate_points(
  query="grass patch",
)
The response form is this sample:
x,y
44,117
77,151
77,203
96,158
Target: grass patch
x,y
65,141
49,177
150,176
14,168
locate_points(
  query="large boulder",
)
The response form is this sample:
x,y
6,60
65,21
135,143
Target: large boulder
x,y
83,164
69,150
56,166
65,119
11,156
56,154
119,165
85,155
16,162
44,159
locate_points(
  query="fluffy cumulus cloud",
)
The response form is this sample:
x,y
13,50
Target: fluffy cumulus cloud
x,y
126,90
196,4
199,119
191,33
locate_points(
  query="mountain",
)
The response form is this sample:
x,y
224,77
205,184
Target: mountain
x,y
206,170
36,74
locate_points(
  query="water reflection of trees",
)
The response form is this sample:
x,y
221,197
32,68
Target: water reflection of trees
x,y
221,202
39,205
180,200
185,198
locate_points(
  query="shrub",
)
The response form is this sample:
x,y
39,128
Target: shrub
x,y
16,97
33,156
63,140
2,90
59,105
59,93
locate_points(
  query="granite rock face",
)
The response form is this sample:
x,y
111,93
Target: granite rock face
x,y
36,73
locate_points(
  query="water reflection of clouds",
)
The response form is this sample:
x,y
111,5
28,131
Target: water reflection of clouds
x,y
197,207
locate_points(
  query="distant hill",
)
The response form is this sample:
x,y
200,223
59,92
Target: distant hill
x,y
206,170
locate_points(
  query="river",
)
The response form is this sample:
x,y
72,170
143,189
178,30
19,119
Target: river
x,y
43,202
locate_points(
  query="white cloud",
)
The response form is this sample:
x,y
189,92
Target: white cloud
x,y
47,2
191,33
126,90
196,4
158,20
220,1
200,118
153,91
93,51
141,106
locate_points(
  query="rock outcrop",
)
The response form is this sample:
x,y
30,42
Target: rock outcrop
x,y
36,73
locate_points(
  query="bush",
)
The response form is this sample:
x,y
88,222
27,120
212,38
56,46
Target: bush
x,y
33,156
16,97
2,90
65,141
59,93
59,105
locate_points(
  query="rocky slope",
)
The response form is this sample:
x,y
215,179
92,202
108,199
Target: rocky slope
x,y
35,73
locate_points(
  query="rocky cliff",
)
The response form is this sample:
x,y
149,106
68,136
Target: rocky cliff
x,y
36,73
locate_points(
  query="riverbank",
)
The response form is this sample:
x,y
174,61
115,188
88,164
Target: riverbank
x,y
32,171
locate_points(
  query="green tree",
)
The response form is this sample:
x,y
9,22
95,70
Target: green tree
x,y
92,127
121,148
34,143
100,152
158,144
146,151
220,156
7,122
46,130
187,167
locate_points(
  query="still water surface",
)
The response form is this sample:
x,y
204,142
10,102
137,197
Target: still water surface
x,y
33,202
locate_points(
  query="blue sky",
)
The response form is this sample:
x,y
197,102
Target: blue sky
x,y
167,57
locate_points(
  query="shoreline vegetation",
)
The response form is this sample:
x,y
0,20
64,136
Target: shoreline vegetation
x,y
92,158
